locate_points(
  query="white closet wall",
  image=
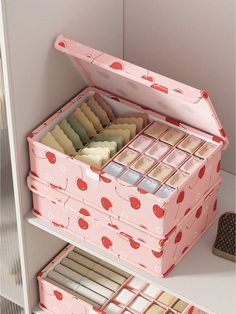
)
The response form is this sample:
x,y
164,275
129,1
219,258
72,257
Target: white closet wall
x,y
38,81
191,42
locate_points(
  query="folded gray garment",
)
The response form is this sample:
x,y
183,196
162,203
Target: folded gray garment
x,y
77,127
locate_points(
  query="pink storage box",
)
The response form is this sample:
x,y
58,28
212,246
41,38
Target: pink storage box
x,y
137,246
54,299
163,99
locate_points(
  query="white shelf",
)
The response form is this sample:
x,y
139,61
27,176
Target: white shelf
x,y
37,310
200,278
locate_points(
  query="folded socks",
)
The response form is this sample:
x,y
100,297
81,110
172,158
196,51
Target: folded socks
x,y
92,117
50,141
63,140
92,160
111,145
124,126
72,285
104,152
104,106
78,128
130,120
110,138
71,134
99,111
85,122
125,133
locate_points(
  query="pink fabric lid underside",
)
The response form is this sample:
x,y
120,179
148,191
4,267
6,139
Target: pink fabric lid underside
x,y
148,89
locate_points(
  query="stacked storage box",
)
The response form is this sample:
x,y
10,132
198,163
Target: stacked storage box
x,y
149,191
77,282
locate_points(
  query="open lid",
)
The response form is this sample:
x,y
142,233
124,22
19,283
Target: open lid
x,y
148,89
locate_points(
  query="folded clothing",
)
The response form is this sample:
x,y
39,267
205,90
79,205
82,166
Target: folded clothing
x,y
78,128
63,140
91,116
110,138
125,133
92,160
111,145
99,111
104,106
82,133
50,141
71,134
124,126
138,121
104,152
85,122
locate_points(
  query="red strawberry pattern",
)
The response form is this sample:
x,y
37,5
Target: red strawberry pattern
x,y
106,242
178,237
202,172
117,65
134,244
158,211
148,78
40,274
187,211
215,206
58,295
105,179
106,203
62,44
198,212
222,131
83,223
157,254
134,202
180,197
178,90
84,212
160,88
96,170
51,157
204,94
141,191
81,184
190,311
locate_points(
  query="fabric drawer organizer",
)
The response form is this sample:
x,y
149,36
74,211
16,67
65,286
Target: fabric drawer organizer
x,y
184,114
156,255
77,282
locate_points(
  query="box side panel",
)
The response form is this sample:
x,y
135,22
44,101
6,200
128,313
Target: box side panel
x,y
56,300
145,210
157,261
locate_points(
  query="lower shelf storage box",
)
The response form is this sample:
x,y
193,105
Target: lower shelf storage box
x,y
79,283
135,245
